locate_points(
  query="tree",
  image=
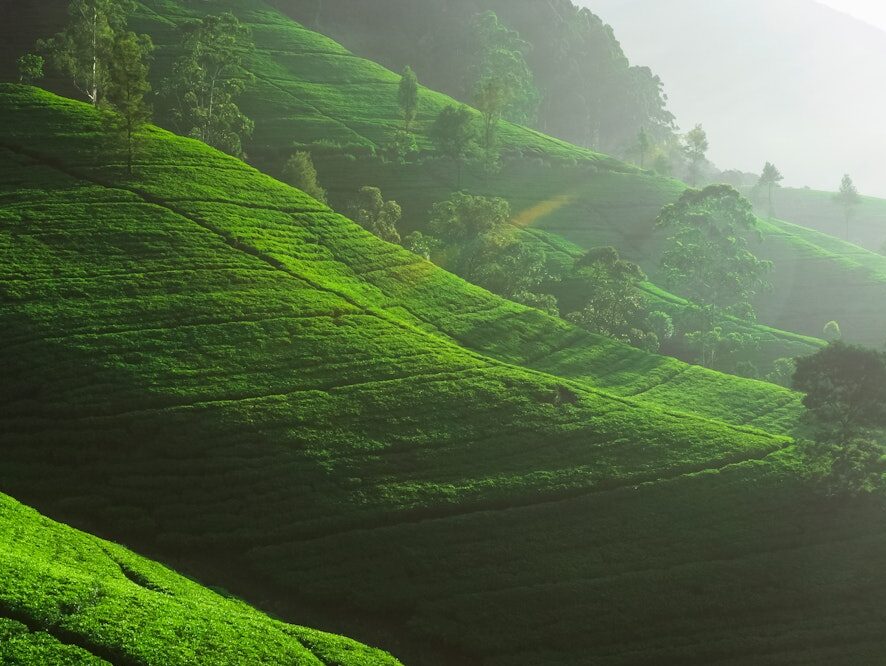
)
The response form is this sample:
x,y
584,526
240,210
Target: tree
x,y
643,146
845,389
127,86
770,178
408,97
848,198
83,50
696,146
421,244
30,68
661,324
373,213
706,257
613,305
207,79
832,331
498,60
464,217
498,261
850,468
490,98
453,135
299,171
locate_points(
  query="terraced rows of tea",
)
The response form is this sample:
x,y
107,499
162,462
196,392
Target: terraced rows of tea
x,y
309,88
70,598
200,360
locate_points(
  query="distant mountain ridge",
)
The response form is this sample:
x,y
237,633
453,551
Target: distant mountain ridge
x,y
800,75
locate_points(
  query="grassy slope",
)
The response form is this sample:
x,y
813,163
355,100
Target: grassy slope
x,y
69,598
309,88
818,211
210,363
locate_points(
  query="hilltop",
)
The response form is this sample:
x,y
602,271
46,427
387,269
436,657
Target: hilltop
x,y
214,367
69,598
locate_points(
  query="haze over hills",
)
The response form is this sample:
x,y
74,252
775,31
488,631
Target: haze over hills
x,y
792,82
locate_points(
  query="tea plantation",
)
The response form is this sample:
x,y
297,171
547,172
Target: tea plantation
x,y
309,89
210,366
69,598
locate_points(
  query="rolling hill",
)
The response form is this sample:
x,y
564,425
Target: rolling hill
x,y
217,369
70,598
309,88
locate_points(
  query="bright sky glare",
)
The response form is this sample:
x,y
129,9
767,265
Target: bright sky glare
x,y
872,11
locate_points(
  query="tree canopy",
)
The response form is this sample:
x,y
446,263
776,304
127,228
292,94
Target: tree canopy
x,y
707,257
845,389
207,79
84,49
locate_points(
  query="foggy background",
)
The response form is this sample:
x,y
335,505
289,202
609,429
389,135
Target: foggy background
x,y
794,82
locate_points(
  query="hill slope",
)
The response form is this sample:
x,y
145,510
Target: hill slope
x,y
309,88
209,364
70,598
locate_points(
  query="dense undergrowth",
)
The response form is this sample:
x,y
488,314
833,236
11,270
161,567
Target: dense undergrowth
x,y
208,363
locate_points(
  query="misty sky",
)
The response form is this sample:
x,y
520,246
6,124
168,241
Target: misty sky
x,y
872,11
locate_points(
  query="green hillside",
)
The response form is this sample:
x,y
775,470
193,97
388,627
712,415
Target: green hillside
x,y
69,598
818,211
209,365
309,88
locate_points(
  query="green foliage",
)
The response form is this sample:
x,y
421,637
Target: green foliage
x,y
83,51
613,306
845,390
846,470
501,80
30,68
190,356
453,134
587,90
849,199
207,79
644,143
421,244
706,256
463,218
401,147
299,171
370,210
832,332
408,97
770,179
662,324
696,145
127,87
84,601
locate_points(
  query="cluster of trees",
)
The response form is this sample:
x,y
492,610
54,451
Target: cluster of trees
x,y
563,70
109,65
844,389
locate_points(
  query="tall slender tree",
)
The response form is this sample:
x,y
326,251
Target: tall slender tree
x,y
770,178
408,97
490,98
207,79
83,50
453,135
696,146
643,146
849,198
127,87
